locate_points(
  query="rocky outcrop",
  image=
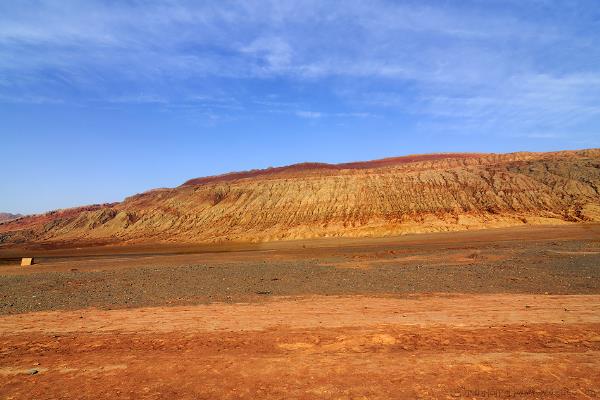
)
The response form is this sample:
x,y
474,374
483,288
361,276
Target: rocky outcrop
x,y
442,192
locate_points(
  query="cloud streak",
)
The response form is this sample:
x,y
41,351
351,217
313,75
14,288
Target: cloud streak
x,y
513,65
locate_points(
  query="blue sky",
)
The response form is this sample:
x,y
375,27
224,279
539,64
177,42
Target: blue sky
x,y
103,99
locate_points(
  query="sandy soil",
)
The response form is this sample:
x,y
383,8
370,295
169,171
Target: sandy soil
x,y
505,314
473,346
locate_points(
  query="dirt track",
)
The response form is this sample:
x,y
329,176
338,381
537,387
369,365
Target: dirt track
x,y
439,316
488,346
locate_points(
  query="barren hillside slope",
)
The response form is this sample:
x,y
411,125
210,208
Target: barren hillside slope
x,y
426,193
8,216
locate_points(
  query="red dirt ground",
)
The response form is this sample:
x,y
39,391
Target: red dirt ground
x,y
505,341
433,346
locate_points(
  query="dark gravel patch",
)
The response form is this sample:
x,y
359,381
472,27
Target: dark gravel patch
x,y
532,271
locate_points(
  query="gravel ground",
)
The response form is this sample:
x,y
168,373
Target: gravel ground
x,y
567,267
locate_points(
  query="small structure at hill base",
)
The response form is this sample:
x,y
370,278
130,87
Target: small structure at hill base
x,y
26,261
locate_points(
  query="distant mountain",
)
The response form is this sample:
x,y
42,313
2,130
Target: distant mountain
x,y
423,193
8,216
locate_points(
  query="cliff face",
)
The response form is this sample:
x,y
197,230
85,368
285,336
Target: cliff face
x,y
384,197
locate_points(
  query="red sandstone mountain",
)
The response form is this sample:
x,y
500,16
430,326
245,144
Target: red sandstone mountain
x,y
423,193
8,216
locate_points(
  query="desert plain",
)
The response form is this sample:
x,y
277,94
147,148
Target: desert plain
x,y
501,313
433,276
299,200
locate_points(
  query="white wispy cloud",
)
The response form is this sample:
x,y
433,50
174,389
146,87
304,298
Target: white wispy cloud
x,y
517,65
309,114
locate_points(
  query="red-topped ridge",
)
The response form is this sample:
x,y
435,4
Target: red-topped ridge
x,y
313,166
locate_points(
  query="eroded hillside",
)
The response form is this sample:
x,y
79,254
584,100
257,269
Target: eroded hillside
x,y
384,197
8,216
